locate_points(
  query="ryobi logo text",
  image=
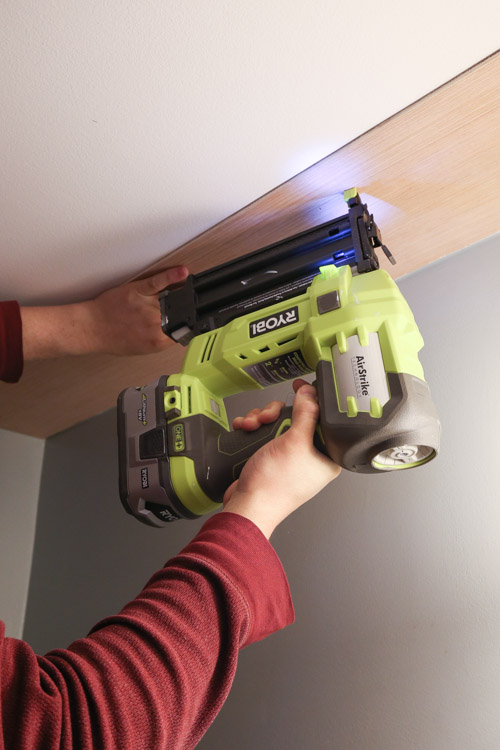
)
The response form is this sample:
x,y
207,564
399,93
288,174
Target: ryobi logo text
x,y
272,322
360,372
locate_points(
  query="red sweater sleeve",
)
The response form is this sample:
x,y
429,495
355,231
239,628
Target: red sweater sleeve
x,y
11,342
156,674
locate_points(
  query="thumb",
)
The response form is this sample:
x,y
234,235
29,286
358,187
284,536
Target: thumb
x,y
305,411
153,285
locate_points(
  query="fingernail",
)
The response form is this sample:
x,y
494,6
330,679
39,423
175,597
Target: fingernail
x,y
308,390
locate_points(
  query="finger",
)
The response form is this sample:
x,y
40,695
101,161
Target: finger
x,y
271,412
250,422
298,383
252,413
151,300
155,284
305,411
257,417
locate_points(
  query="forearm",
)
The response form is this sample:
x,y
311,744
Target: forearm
x,y
156,674
124,320
58,331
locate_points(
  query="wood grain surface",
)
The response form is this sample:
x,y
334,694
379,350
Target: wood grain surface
x,y
430,175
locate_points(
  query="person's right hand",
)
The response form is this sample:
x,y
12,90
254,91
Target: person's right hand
x,y
287,471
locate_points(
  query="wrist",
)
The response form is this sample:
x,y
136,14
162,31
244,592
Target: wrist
x,y
57,331
258,509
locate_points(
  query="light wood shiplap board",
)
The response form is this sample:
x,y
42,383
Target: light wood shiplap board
x,y
430,175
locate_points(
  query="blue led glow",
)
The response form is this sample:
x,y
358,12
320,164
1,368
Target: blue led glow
x,y
344,257
338,258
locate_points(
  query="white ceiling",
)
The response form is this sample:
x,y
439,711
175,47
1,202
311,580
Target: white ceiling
x,y
129,128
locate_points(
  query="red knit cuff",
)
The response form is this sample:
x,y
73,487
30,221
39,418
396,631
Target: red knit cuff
x,y
239,548
11,342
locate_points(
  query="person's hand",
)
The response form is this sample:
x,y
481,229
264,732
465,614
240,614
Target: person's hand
x,y
127,318
122,320
287,471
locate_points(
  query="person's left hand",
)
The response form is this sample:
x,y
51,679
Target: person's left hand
x,y
127,318
122,320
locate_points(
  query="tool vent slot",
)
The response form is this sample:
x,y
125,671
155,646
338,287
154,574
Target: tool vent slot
x,y
207,351
264,349
286,341
242,356
189,399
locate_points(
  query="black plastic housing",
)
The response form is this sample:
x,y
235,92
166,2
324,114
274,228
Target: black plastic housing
x,y
277,272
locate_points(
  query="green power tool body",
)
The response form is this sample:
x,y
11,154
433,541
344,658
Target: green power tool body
x,y
316,302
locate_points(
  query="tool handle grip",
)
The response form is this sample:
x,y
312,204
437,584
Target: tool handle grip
x,y
239,445
242,445
220,455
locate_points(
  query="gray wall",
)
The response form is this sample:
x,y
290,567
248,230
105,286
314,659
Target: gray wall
x,y
20,470
395,578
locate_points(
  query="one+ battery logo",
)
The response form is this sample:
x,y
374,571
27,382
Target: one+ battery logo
x,y
179,443
142,412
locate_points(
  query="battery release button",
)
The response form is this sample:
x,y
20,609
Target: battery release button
x,y
152,444
328,302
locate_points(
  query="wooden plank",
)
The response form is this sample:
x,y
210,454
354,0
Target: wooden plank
x,y
430,175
